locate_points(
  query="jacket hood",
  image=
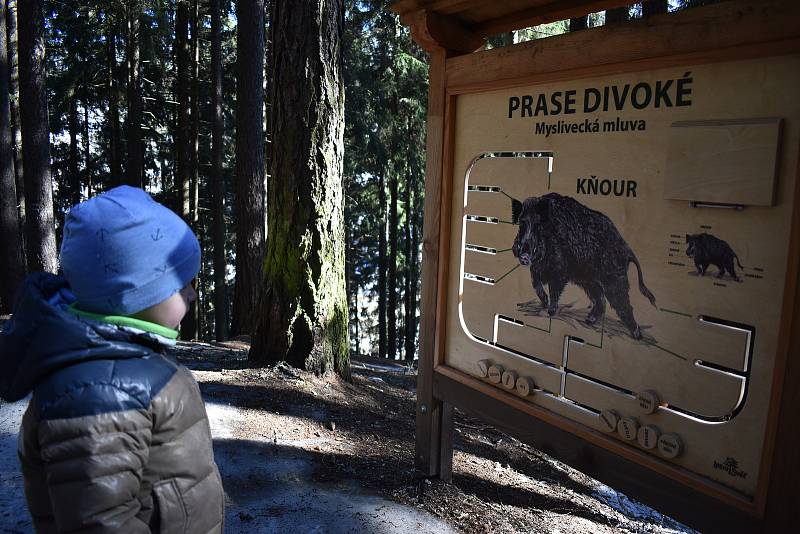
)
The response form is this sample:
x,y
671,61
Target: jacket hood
x,y
42,337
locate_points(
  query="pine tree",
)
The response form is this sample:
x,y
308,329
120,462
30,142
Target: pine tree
x,y
74,165
382,263
135,166
249,188
304,319
217,179
410,266
112,118
391,338
386,79
16,131
191,324
40,238
183,140
12,269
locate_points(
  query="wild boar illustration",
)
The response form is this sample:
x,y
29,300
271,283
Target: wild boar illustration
x,y
563,241
706,249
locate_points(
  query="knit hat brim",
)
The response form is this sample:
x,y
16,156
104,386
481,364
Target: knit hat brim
x,y
169,282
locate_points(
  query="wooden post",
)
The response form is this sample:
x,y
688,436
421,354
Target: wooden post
x,y
441,39
429,410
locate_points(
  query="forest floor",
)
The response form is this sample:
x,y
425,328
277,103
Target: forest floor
x,y
298,452
362,433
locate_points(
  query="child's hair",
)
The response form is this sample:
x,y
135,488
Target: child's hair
x,y
123,252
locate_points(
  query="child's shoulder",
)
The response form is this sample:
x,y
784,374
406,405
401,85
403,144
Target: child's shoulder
x,y
100,386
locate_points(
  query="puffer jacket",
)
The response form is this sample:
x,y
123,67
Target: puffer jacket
x,y
116,436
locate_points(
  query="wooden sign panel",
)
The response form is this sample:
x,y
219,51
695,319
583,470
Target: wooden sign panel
x,y
618,255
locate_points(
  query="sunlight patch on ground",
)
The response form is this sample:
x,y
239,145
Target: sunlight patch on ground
x,y
13,508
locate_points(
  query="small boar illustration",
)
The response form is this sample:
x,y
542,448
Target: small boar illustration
x,y
563,241
706,249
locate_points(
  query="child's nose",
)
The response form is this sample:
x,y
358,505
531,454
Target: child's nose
x,y
191,294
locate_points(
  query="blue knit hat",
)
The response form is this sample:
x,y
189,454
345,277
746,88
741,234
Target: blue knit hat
x,y
123,252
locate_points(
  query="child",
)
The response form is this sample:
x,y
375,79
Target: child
x,y
116,436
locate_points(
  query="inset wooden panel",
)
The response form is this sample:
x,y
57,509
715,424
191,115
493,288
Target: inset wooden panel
x,y
541,337
488,264
496,235
679,382
478,309
533,338
488,201
723,161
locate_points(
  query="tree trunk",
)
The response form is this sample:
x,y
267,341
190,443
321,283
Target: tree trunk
x,y
357,325
16,131
87,149
217,180
391,316
249,188
194,312
410,311
40,235
415,233
654,7
182,147
580,23
193,136
352,286
135,175
304,318
114,152
12,269
74,166
183,140
382,268
200,287
617,15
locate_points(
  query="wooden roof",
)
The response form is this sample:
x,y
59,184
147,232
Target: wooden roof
x,y
464,22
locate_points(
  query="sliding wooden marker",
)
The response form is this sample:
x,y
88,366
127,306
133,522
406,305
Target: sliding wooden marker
x,y
648,401
647,436
510,379
609,419
525,385
496,373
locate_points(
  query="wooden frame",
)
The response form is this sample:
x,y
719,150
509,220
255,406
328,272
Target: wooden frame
x,y
737,28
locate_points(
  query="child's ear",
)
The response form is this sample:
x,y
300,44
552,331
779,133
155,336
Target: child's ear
x,y
516,210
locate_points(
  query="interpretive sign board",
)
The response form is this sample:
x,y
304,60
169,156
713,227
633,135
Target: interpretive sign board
x,y
611,253
622,242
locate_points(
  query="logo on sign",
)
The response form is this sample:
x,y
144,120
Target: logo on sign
x,y
730,466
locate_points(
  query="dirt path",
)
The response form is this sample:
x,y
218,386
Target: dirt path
x,y
271,486
363,432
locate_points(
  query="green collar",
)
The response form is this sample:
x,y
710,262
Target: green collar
x,y
130,322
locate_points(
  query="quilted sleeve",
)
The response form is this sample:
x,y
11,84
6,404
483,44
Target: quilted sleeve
x,y
93,463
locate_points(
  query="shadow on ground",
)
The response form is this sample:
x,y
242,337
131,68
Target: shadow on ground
x,y
383,438
273,488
